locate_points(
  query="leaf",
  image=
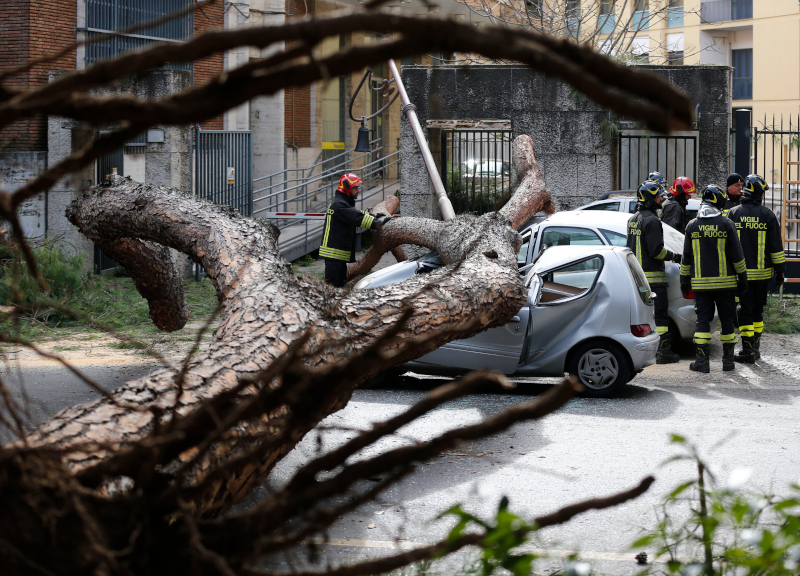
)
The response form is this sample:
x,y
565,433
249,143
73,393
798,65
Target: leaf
x,y
677,439
643,541
680,489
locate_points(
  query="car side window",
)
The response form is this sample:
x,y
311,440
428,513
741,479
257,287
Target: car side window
x,y
608,206
632,207
573,280
564,236
614,238
522,255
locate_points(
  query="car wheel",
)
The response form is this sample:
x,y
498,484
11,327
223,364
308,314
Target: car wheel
x,y
601,367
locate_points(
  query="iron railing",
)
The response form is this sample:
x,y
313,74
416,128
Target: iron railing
x,y
105,17
476,169
312,188
224,168
640,154
768,162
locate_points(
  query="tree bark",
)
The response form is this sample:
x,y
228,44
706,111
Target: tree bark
x,y
265,310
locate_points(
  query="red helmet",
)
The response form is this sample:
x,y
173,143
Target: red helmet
x,y
347,182
683,185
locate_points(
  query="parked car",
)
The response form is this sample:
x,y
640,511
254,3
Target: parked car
x,y
589,312
573,228
625,201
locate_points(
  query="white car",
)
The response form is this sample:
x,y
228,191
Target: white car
x,y
625,201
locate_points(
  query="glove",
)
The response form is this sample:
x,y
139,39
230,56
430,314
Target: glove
x,y
677,258
779,279
685,289
379,215
742,287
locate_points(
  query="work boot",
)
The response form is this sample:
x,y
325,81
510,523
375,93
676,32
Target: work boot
x,y
664,354
747,355
701,364
757,345
727,356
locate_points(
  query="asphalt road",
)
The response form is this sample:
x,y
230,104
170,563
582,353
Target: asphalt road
x,y
592,447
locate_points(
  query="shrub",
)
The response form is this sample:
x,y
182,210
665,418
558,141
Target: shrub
x,y
62,271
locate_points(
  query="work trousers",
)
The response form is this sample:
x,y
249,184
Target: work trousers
x,y
751,308
704,302
335,272
661,305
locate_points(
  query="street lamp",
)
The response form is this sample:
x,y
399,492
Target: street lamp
x,y
362,144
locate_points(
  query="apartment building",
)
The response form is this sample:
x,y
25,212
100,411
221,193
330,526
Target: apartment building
x,y
759,39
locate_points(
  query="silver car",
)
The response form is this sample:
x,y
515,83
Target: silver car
x,y
573,228
625,201
589,313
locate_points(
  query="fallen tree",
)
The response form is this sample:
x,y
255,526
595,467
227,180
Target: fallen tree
x,y
140,480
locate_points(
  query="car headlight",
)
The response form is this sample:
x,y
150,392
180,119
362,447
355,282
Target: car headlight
x,y
363,283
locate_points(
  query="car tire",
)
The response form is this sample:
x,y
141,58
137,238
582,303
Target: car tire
x,y
389,378
600,366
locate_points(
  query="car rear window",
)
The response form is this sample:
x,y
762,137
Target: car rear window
x,y
615,238
609,206
642,287
563,236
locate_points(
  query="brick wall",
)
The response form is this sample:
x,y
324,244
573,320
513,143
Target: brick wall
x,y
30,29
209,67
297,100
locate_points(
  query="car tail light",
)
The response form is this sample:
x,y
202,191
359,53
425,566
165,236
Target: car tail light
x,y
690,295
640,329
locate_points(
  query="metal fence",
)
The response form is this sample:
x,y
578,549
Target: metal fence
x,y
640,154
104,17
105,166
224,168
476,169
312,188
776,141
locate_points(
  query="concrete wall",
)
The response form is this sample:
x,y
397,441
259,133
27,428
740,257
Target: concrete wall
x,y
575,152
16,169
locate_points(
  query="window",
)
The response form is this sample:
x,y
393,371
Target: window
x,y
572,14
675,48
742,74
675,14
534,8
563,236
641,281
615,238
640,48
675,58
606,21
571,281
522,256
641,19
632,206
741,9
106,16
608,206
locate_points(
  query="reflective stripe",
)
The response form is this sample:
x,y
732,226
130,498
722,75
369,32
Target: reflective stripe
x,y
714,283
367,220
759,274
656,277
758,327
662,254
639,249
702,337
761,249
778,257
723,262
696,250
686,270
662,329
334,253
328,218
739,267
728,338
747,330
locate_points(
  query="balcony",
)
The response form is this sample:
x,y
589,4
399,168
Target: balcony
x,y
675,17
606,23
725,10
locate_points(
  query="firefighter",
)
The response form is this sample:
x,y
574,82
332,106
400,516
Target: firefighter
x,y
714,268
341,221
646,241
735,183
657,178
760,235
673,210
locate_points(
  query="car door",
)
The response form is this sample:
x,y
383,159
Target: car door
x,y
561,302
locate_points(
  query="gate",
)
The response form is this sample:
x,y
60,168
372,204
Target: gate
x,y
642,153
476,169
105,166
224,168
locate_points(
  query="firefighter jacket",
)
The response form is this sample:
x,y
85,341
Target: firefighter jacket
x,y
673,214
760,236
712,254
646,241
341,221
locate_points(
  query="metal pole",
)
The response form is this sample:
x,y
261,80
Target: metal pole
x,y
411,113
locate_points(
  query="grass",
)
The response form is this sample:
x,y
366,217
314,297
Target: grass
x,y
782,316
